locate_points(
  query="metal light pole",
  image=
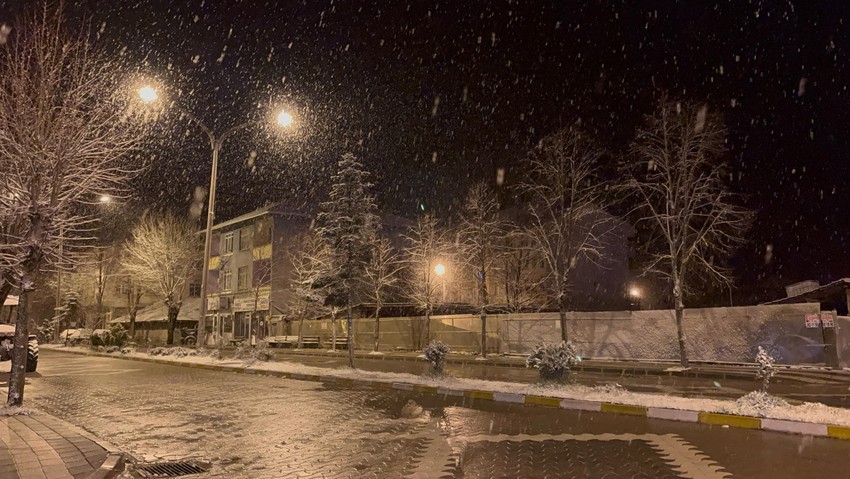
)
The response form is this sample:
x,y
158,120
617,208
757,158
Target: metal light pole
x,y
148,94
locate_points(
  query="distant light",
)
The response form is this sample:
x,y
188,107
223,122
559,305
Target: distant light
x,y
284,119
634,292
105,199
148,94
440,269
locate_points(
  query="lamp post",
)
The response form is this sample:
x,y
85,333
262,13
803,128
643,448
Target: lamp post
x,y
148,94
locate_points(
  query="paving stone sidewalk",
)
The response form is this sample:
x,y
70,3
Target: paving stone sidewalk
x,y
40,446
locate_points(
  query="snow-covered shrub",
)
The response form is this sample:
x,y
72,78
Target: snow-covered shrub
x,y
552,361
758,404
118,336
157,351
215,353
250,354
126,350
177,352
765,368
435,353
111,349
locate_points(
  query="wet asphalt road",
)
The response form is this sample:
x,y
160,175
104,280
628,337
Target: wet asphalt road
x,y
246,426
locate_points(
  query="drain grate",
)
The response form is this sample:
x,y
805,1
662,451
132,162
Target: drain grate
x,y
167,469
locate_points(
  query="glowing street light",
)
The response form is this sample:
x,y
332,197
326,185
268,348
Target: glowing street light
x,y
105,199
440,269
148,94
284,119
634,292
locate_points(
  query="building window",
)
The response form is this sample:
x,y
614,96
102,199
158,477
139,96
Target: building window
x,y
244,239
194,289
227,247
226,280
242,280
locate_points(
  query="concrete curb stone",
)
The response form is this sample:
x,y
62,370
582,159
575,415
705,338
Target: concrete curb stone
x,y
702,417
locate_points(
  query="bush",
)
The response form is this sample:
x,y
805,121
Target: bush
x,y
758,404
118,336
435,353
552,361
765,368
251,354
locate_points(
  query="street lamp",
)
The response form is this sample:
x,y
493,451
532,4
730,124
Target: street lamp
x,y
105,199
148,94
440,269
634,292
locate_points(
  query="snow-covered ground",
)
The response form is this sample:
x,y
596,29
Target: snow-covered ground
x,y
806,412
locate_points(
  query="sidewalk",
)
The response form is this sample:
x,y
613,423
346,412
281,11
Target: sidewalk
x,y
40,446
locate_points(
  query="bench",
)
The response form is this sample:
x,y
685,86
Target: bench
x,y
340,343
283,341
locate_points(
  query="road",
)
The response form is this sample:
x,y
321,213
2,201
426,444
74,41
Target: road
x,y
246,426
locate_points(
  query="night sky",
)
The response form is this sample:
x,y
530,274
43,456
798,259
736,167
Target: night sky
x,y
432,95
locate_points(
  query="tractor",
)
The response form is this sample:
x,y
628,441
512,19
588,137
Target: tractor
x,y
7,342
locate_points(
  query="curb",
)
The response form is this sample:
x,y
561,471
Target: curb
x,y
683,415
592,366
111,467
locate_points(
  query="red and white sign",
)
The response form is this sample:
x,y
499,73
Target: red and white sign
x,y
827,319
812,321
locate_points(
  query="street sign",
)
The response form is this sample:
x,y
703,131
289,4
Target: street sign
x,y
827,319
812,321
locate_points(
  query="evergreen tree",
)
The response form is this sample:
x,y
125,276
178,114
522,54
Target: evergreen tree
x,y
348,225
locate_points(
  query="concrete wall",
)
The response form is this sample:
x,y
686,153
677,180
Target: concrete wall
x,y
718,334
842,333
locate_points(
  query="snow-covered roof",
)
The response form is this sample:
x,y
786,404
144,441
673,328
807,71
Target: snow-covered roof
x,y
275,209
158,312
835,289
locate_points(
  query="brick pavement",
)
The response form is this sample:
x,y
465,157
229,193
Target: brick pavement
x,y
40,446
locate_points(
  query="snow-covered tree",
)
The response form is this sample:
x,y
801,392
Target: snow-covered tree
x,y
765,368
161,256
348,224
678,184
382,273
565,199
310,264
480,235
426,246
65,131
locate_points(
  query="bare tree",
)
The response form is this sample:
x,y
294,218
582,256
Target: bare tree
x,y
161,255
480,234
565,198
520,273
426,246
64,131
310,263
261,277
133,293
678,184
382,273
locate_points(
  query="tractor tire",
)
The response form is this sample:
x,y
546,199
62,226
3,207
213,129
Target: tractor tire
x,y
32,356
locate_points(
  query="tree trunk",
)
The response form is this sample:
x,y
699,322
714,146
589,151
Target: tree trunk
x,y
680,329
133,324
349,322
377,326
19,352
173,311
482,284
427,325
301,332
333,331
562,315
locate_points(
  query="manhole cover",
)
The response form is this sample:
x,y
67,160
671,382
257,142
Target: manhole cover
x,y
167,469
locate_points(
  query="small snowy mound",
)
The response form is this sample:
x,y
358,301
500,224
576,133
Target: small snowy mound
x,y
758,404
15,411
411,410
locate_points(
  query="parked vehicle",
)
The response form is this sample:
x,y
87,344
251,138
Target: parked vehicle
x,y
7,343
188,336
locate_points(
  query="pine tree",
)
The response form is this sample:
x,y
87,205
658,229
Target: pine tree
x,y
348,225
